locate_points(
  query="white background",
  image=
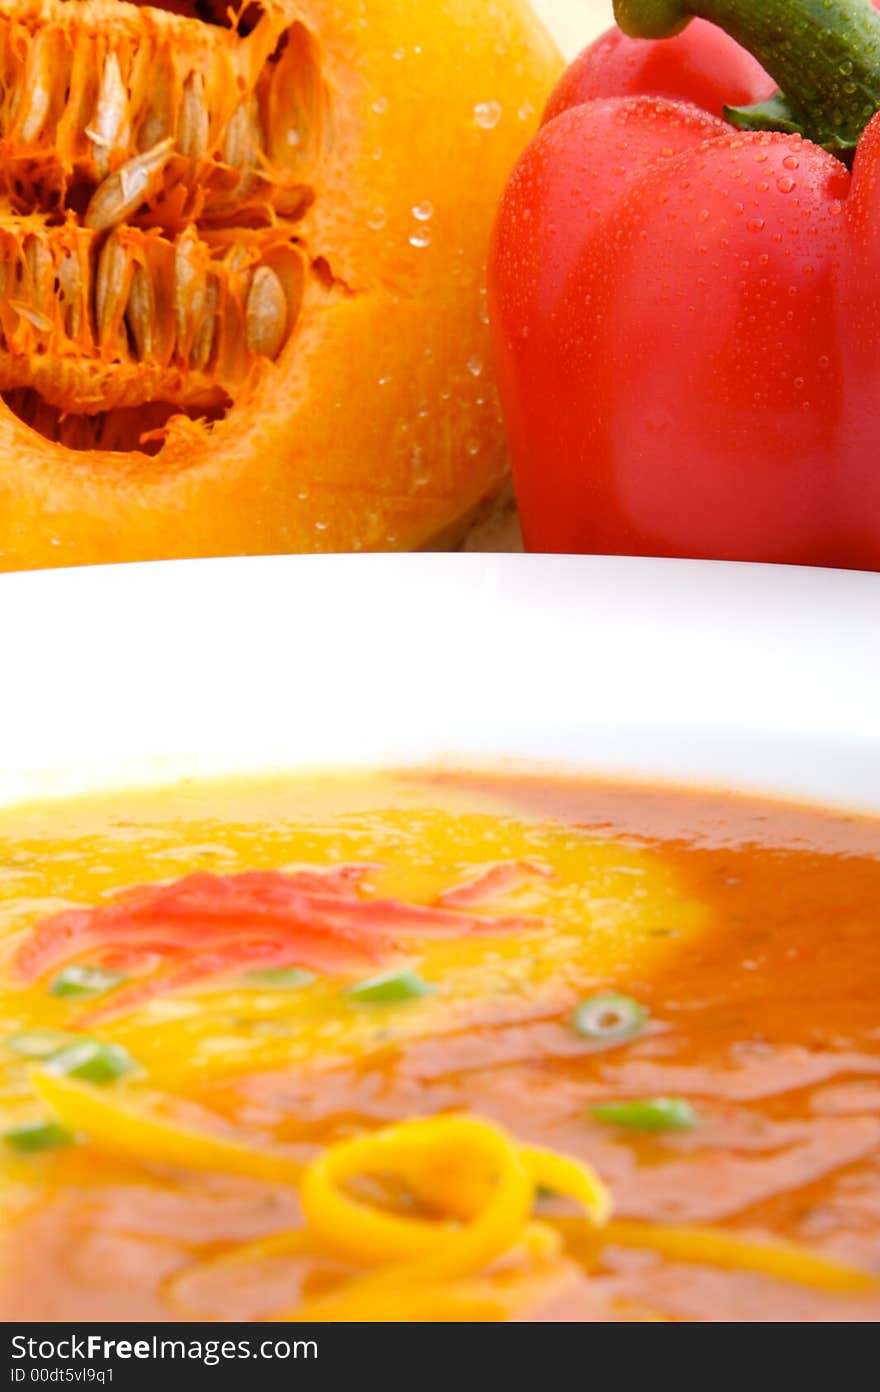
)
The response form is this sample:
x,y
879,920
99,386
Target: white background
x,y
573,23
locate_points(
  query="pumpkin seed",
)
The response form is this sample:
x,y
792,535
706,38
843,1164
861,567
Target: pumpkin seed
x,y
192,130
241,144
109,130
111,286
157,120
140,312
132,184
189,288
36,89
204,338
266,313
41,269
70,285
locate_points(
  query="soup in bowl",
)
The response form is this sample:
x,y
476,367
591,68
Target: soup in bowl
x,y
410,1032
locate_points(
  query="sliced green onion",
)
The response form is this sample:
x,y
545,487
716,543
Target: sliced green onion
x,y
648,1114
609,1018
84,981
72,1055
91,1061
388,988
280,978
39,1044
37,1135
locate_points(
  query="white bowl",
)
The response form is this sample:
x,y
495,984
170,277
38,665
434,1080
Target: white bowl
x,y
755,677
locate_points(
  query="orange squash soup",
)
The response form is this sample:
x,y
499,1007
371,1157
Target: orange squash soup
x,y
438,1046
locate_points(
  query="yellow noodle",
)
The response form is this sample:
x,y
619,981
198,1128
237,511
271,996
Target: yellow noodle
x,y
430,1250
452,1304
357,1300
628,1312
491,1297
570,1179
420,1268
541,1242
412,1255
718,1247
124,1129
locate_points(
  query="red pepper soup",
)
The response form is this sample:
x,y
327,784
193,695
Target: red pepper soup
x,y
438,1046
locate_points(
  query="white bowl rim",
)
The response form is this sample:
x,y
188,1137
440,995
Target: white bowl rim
x,y
763,678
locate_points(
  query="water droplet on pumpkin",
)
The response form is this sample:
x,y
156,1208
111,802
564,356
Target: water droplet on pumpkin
x,y
755,224
422,238
475,366
473,447
380,105
377,219
420,474
423,212
487,114
791,162
785,184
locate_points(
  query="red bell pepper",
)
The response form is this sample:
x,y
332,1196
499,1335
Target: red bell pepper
x,y
685,308
701,64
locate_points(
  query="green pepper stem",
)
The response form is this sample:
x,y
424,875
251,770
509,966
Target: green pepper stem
x,y
824,54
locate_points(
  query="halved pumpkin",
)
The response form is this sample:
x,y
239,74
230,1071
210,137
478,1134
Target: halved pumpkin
x,y
241,271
